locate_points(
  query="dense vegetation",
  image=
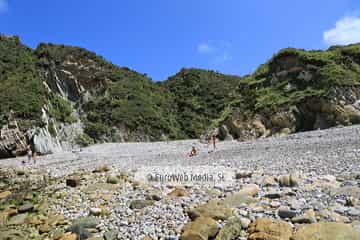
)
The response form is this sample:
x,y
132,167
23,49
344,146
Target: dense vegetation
x,y
121,98
184,106
200,96
21,87
136,103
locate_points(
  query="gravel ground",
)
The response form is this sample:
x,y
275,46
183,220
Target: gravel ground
x,y
330,151
301,178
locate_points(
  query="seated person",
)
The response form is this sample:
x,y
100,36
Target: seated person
x,y
193,152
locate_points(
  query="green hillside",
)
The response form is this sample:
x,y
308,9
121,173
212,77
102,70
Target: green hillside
x,y
21,87
200,96
295,90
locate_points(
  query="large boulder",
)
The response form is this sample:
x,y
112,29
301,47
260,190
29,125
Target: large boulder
x,y
5,194
260,129
101,169
112,179
350,191
73,181
214,209
245,195
333,113
17,220
237,199
14,234
70,236
81,227
202,228
289,180
140,203
249,190
283,119
6,214
329,215
178,192
269,229
326,231
352,113
223,133
286,212
307,217
244,130
231,230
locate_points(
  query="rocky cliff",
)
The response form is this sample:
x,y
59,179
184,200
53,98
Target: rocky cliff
x,y
65,96
296,91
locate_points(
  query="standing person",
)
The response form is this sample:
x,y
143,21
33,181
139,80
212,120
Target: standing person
x,y
214,141
29,153
34,157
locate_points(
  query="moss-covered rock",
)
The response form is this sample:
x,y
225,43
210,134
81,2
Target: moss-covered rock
x,y
231,230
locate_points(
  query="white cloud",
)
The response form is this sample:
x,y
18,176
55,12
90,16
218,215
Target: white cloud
x,y
204,48
346,31
3,6
225,57
217,52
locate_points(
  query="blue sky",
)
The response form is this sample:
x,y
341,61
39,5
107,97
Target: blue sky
x,y
159,37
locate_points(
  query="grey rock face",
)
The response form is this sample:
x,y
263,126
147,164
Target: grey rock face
x,y
43,142
12,141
